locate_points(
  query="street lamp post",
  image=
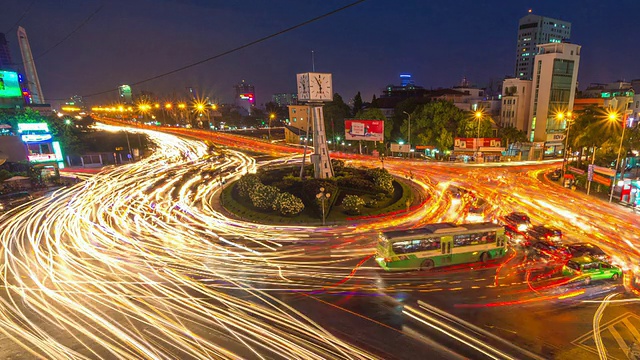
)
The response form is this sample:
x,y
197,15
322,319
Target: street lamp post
x,y
565,157
322,196
409,132
614,117
271,117
478,115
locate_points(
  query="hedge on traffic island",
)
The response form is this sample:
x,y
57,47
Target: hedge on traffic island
x,y
280,196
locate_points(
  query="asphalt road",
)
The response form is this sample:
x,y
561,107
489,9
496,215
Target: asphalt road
x,y
138,262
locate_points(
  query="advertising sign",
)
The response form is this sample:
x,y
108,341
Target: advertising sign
x,y
601,179
576,170
554,138
9,85
372,130
604,170
590,173
405,148
33,127
470,143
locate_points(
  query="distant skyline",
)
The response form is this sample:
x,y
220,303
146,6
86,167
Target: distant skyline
x,y
366,47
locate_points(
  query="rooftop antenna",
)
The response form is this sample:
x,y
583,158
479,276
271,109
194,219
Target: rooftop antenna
x,y
313,62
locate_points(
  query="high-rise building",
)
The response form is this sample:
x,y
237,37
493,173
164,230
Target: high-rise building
x,y
125,94
284,99
5,54
534,30
553,90
33,82
245,97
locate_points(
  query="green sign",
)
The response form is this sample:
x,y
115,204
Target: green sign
x,y
9,85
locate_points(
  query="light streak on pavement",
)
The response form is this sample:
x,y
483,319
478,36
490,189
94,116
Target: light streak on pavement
x,y
132,266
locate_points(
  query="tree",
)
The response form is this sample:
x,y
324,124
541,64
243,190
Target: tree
x,y
357,103
334,114
374,101
468,127
409,106
435,123
509,135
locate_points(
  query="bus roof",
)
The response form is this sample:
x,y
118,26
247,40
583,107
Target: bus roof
x,y
441,228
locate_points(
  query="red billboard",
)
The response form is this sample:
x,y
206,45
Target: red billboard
x,y
472,143
372,130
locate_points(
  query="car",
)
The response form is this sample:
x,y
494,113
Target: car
x,y
543,233
516,238
555,175
590,269
9,201
582,249
549,251
517,221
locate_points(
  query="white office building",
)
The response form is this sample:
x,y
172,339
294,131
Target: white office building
x,y
534,30
553,90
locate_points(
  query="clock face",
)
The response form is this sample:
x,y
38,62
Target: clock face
x,y
320,87
303,86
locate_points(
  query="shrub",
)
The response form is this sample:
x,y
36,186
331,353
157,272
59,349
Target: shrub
x,y
263,196
352,204
380,196
381,179
287,204
356,183
246,184
371,203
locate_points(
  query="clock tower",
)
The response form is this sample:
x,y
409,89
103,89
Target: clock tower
x,y
315,89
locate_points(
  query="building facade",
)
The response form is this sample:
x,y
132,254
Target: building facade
x,y
555,77
5,55
534,30
124,91
516,103
285,99
245,97
299,116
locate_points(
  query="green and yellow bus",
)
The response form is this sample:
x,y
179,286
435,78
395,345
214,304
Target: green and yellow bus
x,y
440,244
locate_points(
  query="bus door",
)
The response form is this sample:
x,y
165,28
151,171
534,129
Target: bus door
x,y
446,243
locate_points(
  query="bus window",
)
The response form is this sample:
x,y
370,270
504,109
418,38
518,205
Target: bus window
x,y
401,247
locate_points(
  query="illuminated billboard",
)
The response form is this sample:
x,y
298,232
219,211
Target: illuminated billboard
x,y
9,85
248,97
371,130
33,127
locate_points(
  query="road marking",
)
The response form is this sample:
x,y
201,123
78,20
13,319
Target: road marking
x,y
616,345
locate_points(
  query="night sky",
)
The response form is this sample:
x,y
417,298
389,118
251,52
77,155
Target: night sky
x,y
366,47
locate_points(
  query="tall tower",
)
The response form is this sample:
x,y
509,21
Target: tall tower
x,y
534,30
30,67
315,89
5,55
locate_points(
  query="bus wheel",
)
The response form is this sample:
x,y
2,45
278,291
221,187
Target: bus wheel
x,y
427,265
484,257
614,277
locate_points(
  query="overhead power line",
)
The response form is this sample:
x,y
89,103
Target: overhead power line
x,y
262,39
21,17
82,24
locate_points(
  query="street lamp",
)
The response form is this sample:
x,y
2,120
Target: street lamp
x,y
613,116
478,116
565,157
322,196
271,117
409,135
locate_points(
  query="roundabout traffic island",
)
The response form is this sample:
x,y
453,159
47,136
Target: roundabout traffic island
x,y
280,196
